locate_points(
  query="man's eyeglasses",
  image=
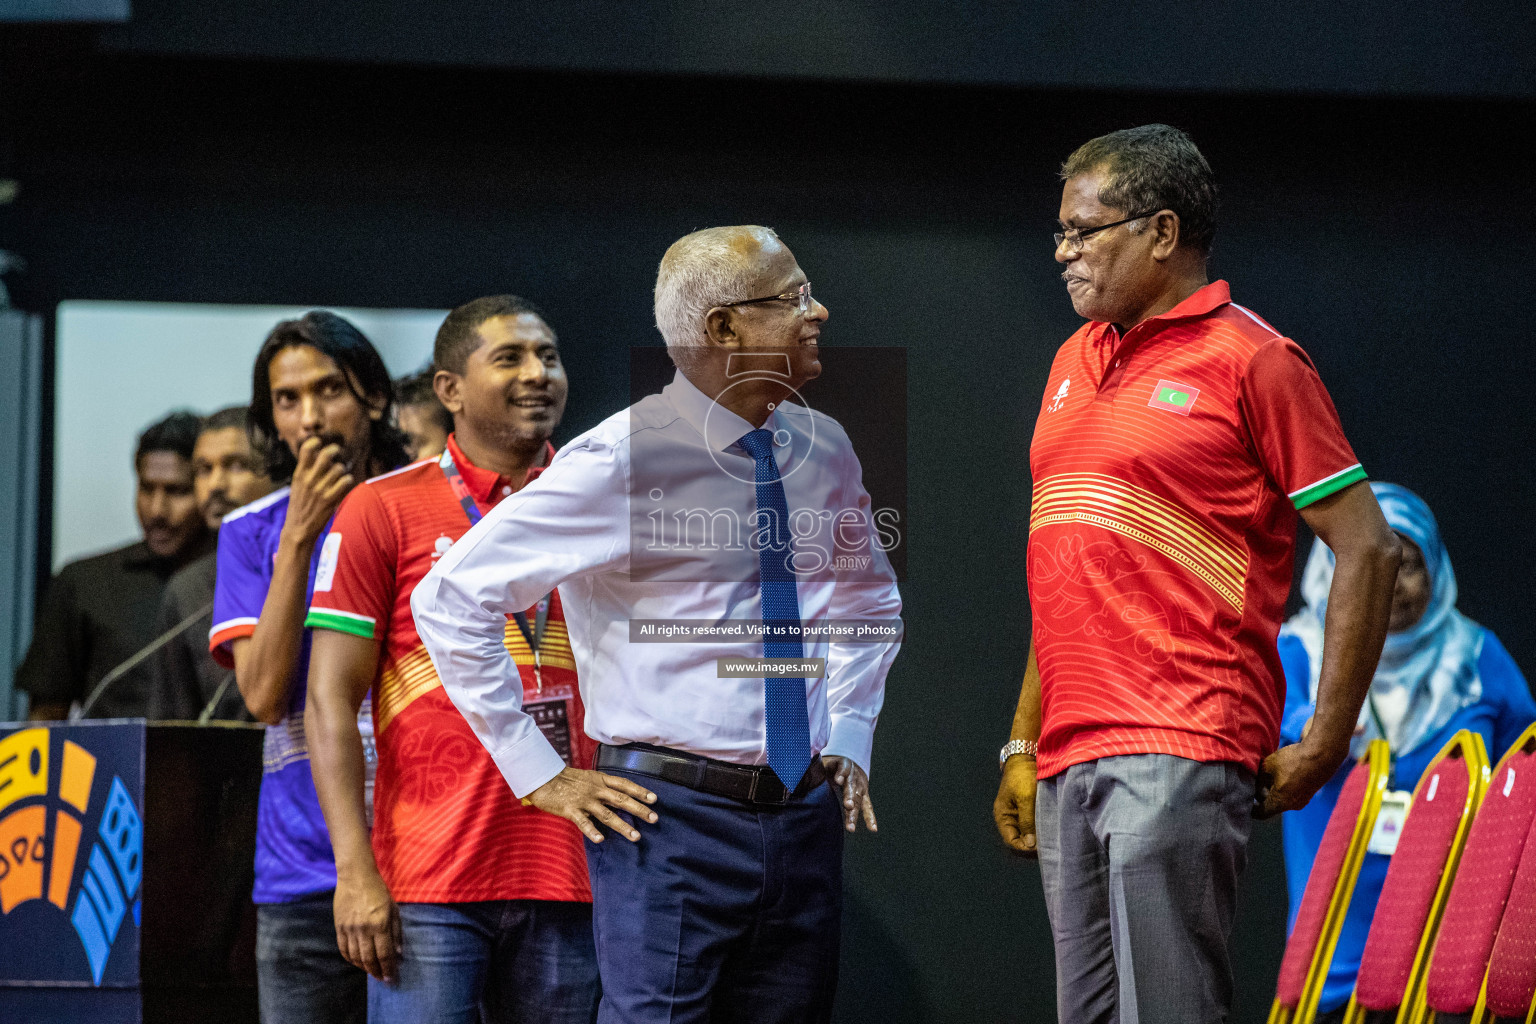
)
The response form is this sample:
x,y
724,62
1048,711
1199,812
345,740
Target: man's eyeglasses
x,y
800,296
1073,237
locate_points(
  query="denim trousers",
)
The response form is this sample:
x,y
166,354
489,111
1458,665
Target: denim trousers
x,y
1141,855
498,961
301,976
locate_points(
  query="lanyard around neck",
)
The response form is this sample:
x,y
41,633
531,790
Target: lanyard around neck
x,y
533,635
459,487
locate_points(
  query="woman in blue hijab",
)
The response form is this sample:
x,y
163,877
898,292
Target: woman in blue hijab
x,y
1439,672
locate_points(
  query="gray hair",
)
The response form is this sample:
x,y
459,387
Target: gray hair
x,y
702,270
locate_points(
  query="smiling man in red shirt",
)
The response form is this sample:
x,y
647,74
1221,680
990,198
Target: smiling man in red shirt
x,y
1178,439
464,904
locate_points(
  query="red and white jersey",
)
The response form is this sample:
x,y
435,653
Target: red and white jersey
x,y
447,828
1168,468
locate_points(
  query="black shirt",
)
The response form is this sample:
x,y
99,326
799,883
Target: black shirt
x,y
186,677
98,612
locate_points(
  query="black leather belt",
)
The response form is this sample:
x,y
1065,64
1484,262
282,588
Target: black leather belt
x,y
753,784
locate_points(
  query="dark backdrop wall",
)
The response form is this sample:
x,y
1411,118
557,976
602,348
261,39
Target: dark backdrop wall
x,y
1349,46
1393,238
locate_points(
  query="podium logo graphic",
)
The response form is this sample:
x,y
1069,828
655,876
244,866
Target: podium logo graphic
x,y
42,781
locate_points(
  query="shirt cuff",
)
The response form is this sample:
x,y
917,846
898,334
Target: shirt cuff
x,y
853,739
528,763
225,633
340,621
1326,486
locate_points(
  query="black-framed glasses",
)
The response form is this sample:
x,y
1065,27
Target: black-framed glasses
x,y
1073,237
801,296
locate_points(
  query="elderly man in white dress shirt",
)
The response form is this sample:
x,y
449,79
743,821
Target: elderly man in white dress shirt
x,y
719,502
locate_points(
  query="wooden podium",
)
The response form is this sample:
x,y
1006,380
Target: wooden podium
x,y
126,859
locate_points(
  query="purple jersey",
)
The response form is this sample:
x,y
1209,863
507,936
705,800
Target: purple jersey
x,y
293,848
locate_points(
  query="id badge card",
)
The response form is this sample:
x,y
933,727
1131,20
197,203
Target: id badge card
x,y
552,710
1389,822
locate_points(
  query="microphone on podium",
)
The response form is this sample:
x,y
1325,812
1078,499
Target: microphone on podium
x,y
80,711
218,695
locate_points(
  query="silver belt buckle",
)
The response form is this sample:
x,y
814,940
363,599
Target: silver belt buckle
x,y
758,774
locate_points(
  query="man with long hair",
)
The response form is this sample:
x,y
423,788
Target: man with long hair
x,y
320,415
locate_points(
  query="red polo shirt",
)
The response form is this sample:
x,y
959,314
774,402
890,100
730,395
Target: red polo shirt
x,y
446,827
1168,466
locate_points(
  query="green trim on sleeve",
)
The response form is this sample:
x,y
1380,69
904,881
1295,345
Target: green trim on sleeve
x,y
341,622
1327,485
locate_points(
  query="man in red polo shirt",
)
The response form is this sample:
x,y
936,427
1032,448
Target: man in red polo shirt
x,y
465,902
1178,439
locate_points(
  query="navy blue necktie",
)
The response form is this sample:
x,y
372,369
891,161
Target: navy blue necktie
x,y
789,726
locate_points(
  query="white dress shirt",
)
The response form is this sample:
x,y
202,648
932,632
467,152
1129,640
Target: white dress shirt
x,y
589,526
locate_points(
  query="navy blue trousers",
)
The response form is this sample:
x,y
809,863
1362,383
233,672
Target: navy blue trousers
x,y
723,912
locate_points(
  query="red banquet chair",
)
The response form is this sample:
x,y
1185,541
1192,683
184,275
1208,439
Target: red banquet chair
x,y
1510,991
1309,949
1419,879
1478,895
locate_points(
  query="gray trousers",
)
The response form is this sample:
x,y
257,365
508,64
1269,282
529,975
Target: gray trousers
x,y
1140,855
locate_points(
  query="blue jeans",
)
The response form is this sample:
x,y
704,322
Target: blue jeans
x,y
301,976
501,961
723,913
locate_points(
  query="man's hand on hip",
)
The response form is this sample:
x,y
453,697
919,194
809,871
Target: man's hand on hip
x,y
367,924
1014,808
581,796
849,780
1289,776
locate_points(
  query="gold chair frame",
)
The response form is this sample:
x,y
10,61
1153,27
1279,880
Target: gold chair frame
x,y
1378,761
1522,744
1474,758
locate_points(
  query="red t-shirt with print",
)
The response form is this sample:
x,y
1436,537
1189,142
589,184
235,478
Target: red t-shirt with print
x,y
1168,468
447,828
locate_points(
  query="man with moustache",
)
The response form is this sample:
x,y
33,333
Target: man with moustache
x,y
100,611
321,415
464,904
731,792
226,474
1178,438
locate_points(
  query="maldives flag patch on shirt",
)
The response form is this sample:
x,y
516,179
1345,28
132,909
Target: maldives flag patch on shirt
x,y
1179,398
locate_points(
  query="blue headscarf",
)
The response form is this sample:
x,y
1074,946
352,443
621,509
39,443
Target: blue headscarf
x,y
1430,668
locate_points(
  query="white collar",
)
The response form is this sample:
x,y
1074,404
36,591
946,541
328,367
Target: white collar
x,y
719,427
